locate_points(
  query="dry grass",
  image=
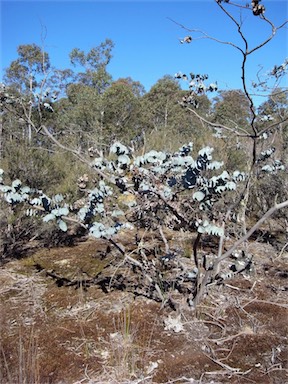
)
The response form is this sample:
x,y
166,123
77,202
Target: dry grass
x,y
54,335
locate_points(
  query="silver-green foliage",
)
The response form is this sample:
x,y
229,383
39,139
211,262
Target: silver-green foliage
x,y
159,185
171,179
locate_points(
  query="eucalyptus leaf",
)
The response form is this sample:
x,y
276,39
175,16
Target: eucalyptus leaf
x,y
206,151
36,201
5,188
99,163
82,213
58,198
97,230
60,211
199,196
119,149
230,185
215,165
123,159
25,190
48,107
49,217
110,232
99,208
16,184
62,225
14,197
117,213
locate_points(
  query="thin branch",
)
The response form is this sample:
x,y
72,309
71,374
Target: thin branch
x,y
238,27
205,35
180,217
243,77
282,251
226,366
76,154
209,274
268,94
269,213
120,248
221,126
195,247
245,52
272,126
273,33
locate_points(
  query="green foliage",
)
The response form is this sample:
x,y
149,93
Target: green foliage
x,y
266,190
155,175
276,104
22,72
94,63
231,108
68,170
164,118
80,114
34,166
96,58
121,111
43,169
161,103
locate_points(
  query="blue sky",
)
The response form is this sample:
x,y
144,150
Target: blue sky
x,y
147,43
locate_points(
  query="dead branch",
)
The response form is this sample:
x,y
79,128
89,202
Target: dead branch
x,y
269,213
241,132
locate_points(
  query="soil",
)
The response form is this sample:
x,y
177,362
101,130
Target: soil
x,y
54,331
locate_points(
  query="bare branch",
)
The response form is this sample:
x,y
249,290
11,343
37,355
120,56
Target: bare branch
x,y
205,35
218,125
76,154
272,126
269,213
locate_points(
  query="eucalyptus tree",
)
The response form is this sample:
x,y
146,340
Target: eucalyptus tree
x,y
231,107
164,116
78,117
25,77
24,74
275,109
122,110
94,63
87,119
161,102
79,114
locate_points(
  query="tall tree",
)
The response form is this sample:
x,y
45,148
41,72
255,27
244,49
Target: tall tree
x,y
165,117
162,102
122,109
27,79
95,64
231,107
23,73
